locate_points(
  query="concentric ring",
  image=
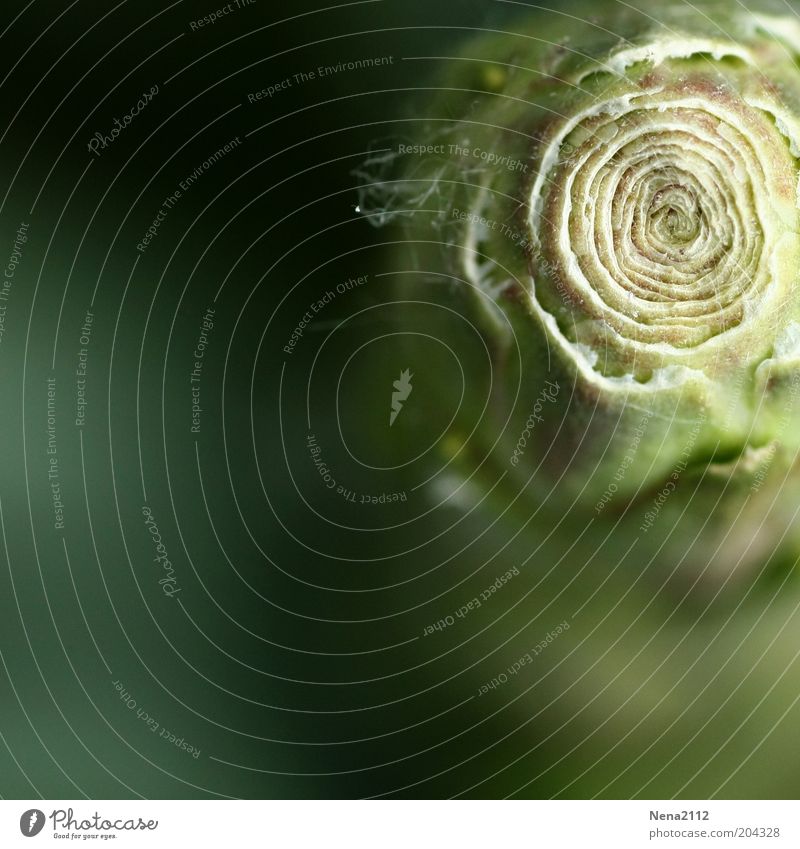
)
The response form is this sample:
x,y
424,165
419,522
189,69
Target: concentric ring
x,y
657,217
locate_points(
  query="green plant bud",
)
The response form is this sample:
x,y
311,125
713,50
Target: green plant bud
x,y
595,213
613,204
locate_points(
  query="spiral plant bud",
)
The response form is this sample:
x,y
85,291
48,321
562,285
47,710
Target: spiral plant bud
x,y
615,201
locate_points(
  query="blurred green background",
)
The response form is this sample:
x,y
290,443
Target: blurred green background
x,y
293,648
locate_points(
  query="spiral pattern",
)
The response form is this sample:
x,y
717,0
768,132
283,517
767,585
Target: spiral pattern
x,y
663,220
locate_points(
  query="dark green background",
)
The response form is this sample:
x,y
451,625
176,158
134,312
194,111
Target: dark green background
x,y
293,656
